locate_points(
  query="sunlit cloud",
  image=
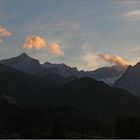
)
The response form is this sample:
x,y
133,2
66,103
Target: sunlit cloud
x,y
35,42
4,33
117,60
55,49
38,43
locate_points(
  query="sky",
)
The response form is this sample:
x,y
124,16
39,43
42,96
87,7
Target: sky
x,y
87,34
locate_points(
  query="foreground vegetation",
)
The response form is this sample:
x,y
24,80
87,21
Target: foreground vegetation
x,y
18,121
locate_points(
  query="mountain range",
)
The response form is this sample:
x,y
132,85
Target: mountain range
x,y
83,93
60,72
122,77
50,100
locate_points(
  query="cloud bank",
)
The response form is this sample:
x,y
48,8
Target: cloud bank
x,y
36,42
117,60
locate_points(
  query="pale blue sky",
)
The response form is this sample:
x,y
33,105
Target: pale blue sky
x,y
83,28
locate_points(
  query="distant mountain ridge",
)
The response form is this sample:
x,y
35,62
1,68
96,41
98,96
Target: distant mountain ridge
x,y
62,69
107,74
30,65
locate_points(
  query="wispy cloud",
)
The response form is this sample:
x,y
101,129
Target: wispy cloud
x,y
36,42
67,25
117,60
134,50
133,15
90,60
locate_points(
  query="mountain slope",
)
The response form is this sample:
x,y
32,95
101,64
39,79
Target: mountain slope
x,y
91,95
19,84
24,63
130,80
107,74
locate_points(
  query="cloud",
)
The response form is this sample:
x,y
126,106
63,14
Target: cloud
x,y
134,50
133,15
90,61
4,32
36,42
67,25
55,49
117,60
